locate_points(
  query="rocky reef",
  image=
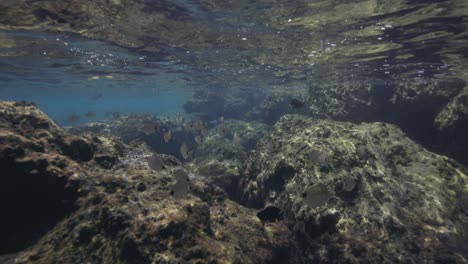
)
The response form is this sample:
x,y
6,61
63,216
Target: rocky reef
x,y
92,199
219,155
309,191
343,136
354,192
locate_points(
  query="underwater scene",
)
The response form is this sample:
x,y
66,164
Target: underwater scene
x,y
233,131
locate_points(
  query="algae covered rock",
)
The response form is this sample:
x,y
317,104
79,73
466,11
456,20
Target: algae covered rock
x,y
39,180
221,156
343,98
150,129
62,208
274,106
360,192
124,223
230,138
452,121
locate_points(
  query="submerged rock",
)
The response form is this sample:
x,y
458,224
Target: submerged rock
x,y
222,158
39,183
360,192
270,214
58,209
452,122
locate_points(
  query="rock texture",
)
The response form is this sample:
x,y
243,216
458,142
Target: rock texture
x,y
326,191
358,193
40,170
63,203
221,157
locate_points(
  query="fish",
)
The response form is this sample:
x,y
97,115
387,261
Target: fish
x,y
200,125
269,146
149,128
180,118
320,157
157,128
184,151
96,96
167,136
237,139
73,118
221,131
221,119
90,114
155,162
114,114
189,127
182,184
198,140
297,103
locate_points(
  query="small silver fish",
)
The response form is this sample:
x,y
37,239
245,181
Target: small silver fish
x,y
149,128
199,125
184,151
221,131
189,127
155,162
167,136
182,183
73,118
90,115
180,118
237,139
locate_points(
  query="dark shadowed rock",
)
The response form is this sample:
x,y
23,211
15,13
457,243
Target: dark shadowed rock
x,y
270,214
38,185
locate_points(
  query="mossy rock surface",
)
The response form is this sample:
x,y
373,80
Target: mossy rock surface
x,y
62,208
349,187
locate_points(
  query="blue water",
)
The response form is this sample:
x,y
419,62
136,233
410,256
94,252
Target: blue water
x,y
67,75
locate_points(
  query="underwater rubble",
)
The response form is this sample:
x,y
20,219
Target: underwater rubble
x,y
309,191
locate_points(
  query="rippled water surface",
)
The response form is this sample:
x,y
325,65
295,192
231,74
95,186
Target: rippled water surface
x,y
155,59
68,75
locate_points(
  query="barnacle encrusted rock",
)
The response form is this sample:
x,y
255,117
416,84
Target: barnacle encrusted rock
x,y
360,192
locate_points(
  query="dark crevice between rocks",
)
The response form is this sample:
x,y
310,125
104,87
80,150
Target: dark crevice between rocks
x,y
170,8
232,190
32,202
283,172
79,150
43,14
418,122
